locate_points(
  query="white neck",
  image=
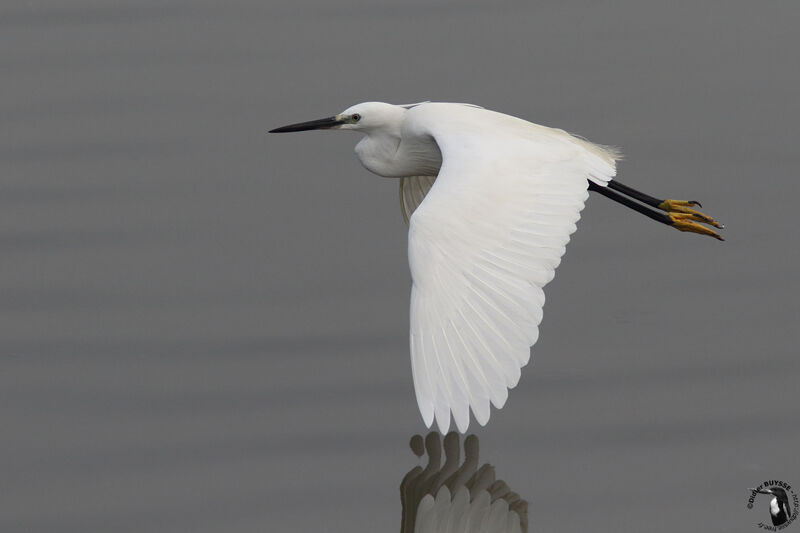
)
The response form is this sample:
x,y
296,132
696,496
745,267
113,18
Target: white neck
x,y
394,152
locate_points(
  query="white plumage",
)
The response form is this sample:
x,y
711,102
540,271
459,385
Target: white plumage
x,y
481,245
491,201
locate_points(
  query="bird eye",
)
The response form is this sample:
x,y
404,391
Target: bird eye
x,y
356,117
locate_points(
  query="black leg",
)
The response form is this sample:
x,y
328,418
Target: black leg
x,y
642,197
675,213
658,216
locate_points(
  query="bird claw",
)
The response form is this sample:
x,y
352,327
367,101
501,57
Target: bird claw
x,y
685,222
675,205
685,207
684,218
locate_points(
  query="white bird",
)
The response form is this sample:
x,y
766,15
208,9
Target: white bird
x,y
491,201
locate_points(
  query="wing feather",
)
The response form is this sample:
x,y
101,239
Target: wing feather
x,y
485,237
412,191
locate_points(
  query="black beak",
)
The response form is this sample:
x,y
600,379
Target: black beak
x,y
320,124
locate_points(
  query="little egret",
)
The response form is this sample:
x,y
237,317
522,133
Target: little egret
x,y
491,201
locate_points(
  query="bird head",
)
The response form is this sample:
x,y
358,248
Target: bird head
x,y
775,491
365,117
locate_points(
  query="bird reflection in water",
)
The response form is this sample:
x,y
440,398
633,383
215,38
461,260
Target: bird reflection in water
x,y
457,497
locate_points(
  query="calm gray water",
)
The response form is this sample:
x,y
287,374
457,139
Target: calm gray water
x,y
204,328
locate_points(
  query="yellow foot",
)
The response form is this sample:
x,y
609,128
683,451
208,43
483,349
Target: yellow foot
x,y
685,207
684,222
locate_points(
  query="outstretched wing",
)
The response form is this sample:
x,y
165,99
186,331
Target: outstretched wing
x,y
482,244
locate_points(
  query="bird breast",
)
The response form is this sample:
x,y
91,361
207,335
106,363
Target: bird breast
x,y
395,156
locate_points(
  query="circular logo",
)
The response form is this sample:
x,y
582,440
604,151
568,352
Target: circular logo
x,y
777,502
